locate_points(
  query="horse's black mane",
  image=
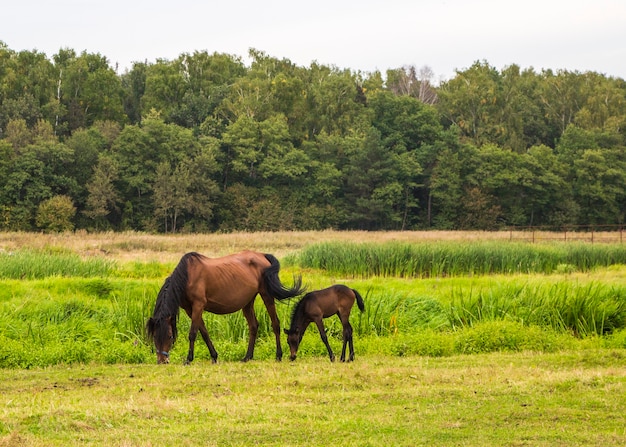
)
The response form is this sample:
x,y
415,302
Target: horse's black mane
x,y
168,300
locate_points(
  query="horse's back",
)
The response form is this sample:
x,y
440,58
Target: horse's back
x,y
243,264
246,257
227,283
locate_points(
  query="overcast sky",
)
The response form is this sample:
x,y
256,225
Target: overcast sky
x,y
360,35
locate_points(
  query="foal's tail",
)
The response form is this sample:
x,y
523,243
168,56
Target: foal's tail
x,y
359,301
272,282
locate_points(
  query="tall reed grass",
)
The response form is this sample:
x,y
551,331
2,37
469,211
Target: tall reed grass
x,y
30,264
449,258
581,309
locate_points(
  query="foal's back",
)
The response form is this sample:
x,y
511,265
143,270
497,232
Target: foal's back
x,y
331,300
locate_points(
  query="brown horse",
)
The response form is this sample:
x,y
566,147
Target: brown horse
x,y
314,306
221,286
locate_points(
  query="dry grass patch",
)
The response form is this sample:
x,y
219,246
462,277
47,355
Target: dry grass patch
x,y
144,247
133,246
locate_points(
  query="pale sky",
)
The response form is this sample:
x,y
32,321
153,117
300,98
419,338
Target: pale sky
x,y
582,35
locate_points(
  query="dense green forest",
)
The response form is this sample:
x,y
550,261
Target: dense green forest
x,y
207,142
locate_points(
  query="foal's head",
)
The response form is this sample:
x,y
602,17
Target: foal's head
x,y
294,337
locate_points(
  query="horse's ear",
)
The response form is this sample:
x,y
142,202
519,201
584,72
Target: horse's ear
x,y
150,327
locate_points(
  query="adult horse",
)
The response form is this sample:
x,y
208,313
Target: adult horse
x,y
317,305
220,286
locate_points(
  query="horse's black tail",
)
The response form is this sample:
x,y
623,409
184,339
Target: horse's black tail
x,y
359,301
272,281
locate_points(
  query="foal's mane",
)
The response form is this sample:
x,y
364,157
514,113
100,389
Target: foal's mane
x,y
169,297
298,310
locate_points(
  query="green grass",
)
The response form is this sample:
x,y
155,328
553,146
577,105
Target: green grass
x,y
74,320
64,320
69,317
572,398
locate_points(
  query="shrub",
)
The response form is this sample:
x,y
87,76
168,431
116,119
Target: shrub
x,y
616,340
425,343
56,214
503,335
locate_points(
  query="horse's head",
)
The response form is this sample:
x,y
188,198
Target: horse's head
x,y
161,328
162,331
293,340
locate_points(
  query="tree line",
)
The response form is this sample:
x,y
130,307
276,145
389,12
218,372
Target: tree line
x,y
207,143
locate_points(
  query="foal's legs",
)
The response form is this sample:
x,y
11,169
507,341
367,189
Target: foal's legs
x,y
253,329
347,337
322,330
347,340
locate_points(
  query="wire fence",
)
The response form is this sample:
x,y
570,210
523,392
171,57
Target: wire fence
x,y
609,234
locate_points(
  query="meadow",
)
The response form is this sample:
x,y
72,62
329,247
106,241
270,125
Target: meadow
x,y
467,339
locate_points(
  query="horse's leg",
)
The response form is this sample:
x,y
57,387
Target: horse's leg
x,y
253,328
207,340
193,331
320,327
271,310
196,324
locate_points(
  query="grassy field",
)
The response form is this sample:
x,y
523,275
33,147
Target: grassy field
x,y
526,352
565,399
